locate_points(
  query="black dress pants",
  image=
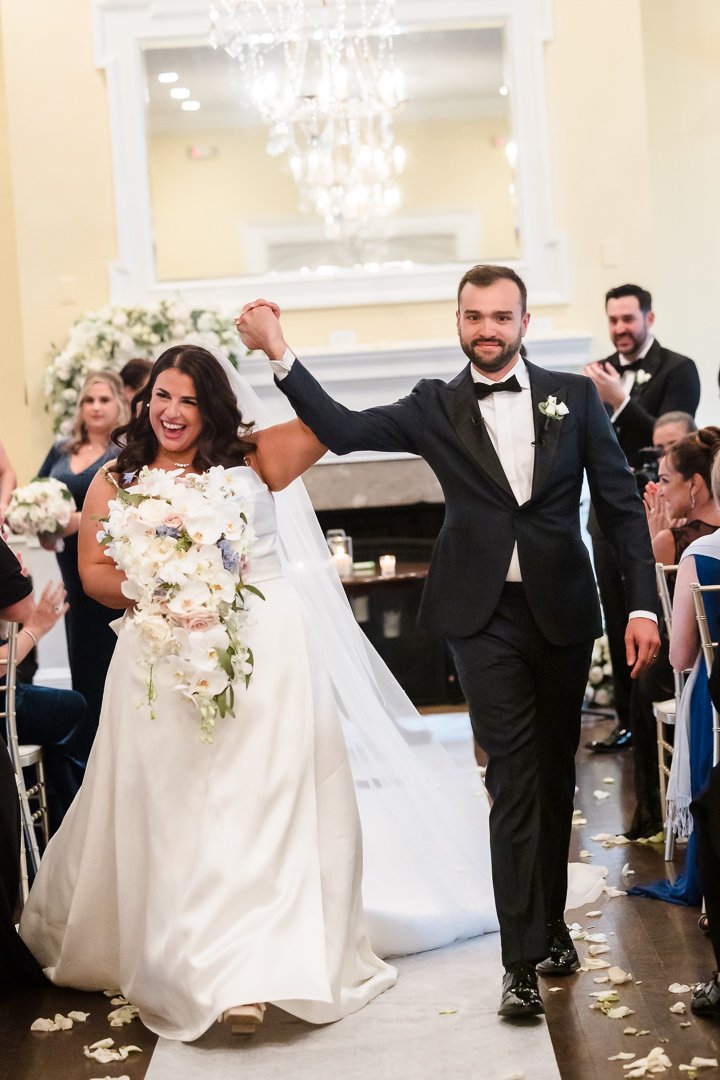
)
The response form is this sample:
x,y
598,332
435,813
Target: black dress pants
x,y
615,610
525,697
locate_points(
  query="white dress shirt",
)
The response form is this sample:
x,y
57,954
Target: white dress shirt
x,y
509,422
508,419
628,377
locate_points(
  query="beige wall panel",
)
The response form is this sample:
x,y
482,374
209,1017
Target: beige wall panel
x,y
682,59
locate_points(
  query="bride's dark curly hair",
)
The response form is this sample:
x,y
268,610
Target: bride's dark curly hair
x,y
223,437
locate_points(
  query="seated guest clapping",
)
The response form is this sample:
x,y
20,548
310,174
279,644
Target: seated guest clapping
x,y
692,757
680,508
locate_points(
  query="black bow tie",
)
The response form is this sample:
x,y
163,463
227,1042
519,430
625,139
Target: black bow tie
x,y
483,390
634,365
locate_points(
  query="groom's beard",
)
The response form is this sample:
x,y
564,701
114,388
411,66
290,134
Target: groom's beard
x,y
486,363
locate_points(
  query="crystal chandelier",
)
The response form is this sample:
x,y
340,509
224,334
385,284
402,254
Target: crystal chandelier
x,y
328,92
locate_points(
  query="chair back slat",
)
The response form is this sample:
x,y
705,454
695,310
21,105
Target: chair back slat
x,y
662,573
28,825
708,647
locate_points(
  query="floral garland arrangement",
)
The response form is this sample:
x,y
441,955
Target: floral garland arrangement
x,y
109,337
599,691
183,543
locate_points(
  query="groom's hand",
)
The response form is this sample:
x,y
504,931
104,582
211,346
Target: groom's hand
x,y
258,325
642,644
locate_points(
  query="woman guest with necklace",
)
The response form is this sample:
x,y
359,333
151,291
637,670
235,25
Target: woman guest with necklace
x,y
75,461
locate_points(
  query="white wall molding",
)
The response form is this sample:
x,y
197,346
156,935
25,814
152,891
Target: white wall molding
x,y
360,378
123,27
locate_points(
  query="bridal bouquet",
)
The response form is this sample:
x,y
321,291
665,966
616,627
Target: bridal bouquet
x,y
42,507
183,543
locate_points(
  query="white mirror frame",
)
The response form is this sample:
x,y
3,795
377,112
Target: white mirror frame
x,y
123,27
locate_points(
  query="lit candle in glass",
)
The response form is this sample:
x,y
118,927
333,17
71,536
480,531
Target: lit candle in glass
x,y
387,565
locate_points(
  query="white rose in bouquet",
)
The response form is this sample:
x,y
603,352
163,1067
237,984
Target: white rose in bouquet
x,y
41,508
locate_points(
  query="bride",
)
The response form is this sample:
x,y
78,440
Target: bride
x,y
204,879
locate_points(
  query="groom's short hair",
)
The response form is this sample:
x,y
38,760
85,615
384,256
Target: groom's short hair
x,y
485,274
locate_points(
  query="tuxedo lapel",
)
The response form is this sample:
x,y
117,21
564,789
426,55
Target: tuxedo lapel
x,y
547,430
462,410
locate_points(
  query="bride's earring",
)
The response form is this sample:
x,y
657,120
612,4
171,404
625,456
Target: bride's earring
x,y
692,499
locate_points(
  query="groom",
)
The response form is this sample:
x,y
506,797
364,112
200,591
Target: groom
x,y
510,582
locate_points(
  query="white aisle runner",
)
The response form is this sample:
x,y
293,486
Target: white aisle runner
x,y
439,1021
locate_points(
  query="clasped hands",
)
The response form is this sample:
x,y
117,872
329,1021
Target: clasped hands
x,y
258,325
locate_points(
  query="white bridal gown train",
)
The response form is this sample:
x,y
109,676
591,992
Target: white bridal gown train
x,y
199,876
194,876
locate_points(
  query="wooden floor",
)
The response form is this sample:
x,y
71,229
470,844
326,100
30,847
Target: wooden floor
x,y
659,943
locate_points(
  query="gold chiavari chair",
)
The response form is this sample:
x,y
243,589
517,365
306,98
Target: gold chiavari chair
x,y
24,756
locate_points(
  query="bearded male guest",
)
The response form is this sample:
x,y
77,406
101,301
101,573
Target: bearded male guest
x,y
637,383
510,584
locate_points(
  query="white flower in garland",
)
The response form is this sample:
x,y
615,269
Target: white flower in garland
x,y
183,544
110,336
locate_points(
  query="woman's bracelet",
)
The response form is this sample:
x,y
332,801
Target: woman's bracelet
x,y
24,630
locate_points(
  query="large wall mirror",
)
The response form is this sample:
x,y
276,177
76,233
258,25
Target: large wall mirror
x,y
209,201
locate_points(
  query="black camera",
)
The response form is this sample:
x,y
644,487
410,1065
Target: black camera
x,y
647,469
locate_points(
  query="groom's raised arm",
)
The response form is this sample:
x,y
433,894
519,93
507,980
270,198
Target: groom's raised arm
x,y
385,427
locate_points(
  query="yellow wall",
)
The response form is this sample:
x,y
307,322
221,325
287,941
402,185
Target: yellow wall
x,y
633,91
13,369
452,166
57,168
682,51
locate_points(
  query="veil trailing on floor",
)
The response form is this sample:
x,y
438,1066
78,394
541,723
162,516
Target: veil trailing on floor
x,y
427,877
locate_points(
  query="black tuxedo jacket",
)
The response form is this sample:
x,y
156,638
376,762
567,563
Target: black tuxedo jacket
x,y
674,383
441,422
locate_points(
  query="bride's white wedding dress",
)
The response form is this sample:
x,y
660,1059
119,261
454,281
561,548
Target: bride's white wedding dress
x,y
194,876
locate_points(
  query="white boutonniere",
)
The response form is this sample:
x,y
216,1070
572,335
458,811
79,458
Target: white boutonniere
x,y
552,408
642,376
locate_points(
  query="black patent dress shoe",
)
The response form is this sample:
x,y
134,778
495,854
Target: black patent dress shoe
x,y
563,958
520,996
618,739
705,1000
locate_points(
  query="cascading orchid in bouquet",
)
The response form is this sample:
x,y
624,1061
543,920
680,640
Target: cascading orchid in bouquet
x,y
184,543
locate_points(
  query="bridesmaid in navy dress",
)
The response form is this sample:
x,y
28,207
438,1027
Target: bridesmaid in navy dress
x,y
74,461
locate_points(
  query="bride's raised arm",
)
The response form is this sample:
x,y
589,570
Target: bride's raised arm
x,y
100,577
283,452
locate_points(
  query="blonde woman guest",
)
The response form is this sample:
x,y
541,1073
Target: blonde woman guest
x,y
75,461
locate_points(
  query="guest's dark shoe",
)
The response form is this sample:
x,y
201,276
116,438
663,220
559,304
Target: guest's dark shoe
x,y
563,958
520,995
705,999
618,739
